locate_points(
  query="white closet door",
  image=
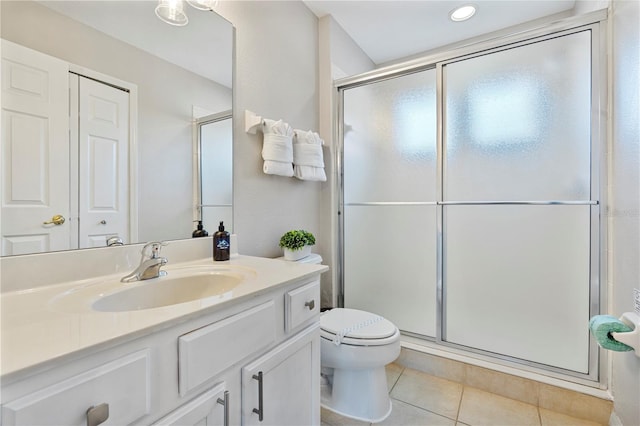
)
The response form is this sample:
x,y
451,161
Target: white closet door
x,y
35,151
103,133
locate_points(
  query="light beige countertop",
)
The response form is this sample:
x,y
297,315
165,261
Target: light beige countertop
x,y
42,324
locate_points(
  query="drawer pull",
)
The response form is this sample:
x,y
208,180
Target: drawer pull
x,y
260,410
225,403
97,414
311,304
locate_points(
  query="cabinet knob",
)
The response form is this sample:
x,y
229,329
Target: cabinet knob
x,y
310,304
97,414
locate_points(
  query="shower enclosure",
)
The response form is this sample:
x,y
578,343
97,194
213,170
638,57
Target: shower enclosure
x,y
471,197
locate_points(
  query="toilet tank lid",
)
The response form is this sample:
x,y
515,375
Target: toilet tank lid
x,y
313,258
356,324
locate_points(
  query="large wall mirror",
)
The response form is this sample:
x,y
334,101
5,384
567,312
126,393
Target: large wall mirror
x,y
114,121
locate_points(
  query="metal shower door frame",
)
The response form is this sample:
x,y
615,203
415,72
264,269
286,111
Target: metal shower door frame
x,y
594,22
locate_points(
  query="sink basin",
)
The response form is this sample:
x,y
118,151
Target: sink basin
x,y
191,284
169,290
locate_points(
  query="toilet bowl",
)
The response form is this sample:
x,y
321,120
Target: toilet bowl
x,y
355,346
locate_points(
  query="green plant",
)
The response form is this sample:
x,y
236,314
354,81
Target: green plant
x,y
297,239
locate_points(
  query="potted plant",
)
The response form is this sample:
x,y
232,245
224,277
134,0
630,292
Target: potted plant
x,y
297,244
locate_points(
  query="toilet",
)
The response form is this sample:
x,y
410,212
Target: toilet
x,y
355,346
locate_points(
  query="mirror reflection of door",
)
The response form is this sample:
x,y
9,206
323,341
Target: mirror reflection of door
x,y
35,151
215,152
103,160
46,112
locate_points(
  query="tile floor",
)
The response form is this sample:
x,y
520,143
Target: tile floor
x,y
422,399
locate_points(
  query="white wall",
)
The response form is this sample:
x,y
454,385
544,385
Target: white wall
x,y
339,56
347,58
586,6
624,203
164,118
276,77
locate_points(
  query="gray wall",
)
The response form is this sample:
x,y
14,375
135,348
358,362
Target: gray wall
x,y
624,203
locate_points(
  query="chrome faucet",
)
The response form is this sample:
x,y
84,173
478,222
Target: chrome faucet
x,y
150,263
114,241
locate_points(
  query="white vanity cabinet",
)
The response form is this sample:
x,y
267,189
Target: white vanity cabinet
x,y
196,371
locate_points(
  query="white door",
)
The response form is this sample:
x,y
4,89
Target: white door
x,y
103,134
35,151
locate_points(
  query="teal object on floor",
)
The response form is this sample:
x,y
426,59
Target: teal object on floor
x,y
601,327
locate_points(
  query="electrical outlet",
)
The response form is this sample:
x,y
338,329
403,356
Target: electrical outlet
x,y
636,300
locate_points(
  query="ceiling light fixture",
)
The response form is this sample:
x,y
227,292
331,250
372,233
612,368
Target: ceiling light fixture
x,y
203,4
462,13
172,12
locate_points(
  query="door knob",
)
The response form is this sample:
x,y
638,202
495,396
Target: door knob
x,y
56,220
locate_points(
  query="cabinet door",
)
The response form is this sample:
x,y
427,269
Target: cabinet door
x,y
210,408
283,386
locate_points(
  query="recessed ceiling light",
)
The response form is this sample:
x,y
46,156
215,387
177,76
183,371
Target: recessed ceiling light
x,y
462,13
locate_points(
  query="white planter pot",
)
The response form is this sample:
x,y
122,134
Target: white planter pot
x,y
296,254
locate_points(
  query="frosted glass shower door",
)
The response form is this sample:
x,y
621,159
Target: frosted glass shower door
x,y
389,163
519,208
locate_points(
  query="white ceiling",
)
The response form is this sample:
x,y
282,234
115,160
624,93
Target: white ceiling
x,y
204,46
390,30
385,30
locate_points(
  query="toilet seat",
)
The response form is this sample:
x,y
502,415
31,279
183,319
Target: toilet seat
x,y
361,342
357,328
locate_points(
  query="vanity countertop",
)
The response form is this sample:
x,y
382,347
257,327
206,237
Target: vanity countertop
x,y
37,329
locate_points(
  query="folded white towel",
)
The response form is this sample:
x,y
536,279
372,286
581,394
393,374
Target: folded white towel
x,y
277,149
308,161
278,127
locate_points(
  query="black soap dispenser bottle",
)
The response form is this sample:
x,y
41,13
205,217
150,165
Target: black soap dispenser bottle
x,y
200,232
221,246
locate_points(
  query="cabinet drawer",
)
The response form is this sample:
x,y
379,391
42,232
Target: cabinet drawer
x,y
301,304
123,384
206,352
